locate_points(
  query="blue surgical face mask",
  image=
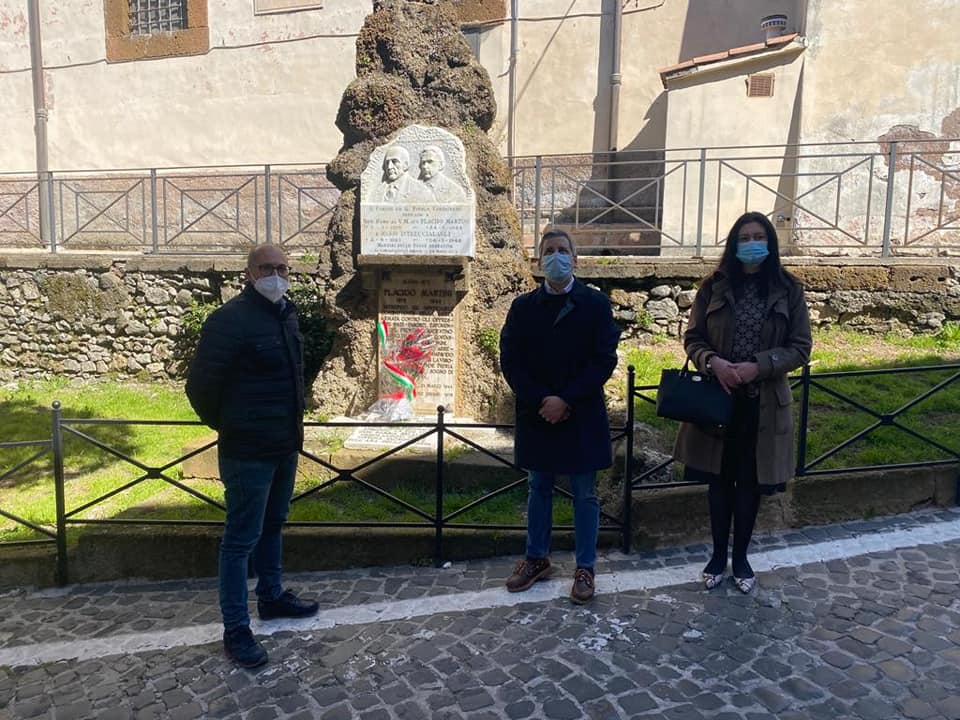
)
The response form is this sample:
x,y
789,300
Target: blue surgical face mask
x,y
752,252
557,266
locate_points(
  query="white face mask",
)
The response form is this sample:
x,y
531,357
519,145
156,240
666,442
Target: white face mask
x,y
272,287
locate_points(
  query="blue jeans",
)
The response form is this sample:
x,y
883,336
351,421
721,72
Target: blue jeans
x,y
586,516
257,494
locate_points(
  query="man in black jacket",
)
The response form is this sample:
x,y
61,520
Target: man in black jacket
x,y
246,383
558,347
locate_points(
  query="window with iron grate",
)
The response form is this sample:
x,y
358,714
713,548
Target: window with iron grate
x,y
140,29
760,85
156,16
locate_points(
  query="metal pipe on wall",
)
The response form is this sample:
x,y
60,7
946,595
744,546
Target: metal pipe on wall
x,y
615,77
40,122
512,91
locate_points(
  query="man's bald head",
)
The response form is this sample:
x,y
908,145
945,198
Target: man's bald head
x,y
264,260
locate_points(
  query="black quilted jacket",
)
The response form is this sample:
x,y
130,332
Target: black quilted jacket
x,y
246,381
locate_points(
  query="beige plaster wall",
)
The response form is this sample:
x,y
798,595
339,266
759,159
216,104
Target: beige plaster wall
x,y
873,64
16,89
273,101
564,65
877,70
710,108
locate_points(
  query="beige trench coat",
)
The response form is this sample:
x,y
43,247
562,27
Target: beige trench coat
x,y
786,340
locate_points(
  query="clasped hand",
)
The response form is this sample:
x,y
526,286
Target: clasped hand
x,y
732,375
554,409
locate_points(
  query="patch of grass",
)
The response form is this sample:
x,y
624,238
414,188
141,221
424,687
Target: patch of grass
x,y
89,471
832,420
92,472
346,501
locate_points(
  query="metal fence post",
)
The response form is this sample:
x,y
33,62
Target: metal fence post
x,y
57,443
888,207
804,415
268,211
628,464
538,168
438,517
154,227
703,185
51,215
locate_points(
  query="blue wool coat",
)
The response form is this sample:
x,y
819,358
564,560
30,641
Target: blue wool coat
x,y
570,352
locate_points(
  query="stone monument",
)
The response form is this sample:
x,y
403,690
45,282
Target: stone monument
x,y
424,245
414,226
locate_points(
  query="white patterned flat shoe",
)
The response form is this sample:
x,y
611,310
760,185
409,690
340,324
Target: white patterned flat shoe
x,y
711,581
745,585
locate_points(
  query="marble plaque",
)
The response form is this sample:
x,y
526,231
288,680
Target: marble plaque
x,y
416,198
419,307
389,437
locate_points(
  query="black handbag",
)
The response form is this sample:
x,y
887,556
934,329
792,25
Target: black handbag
x,y
693,397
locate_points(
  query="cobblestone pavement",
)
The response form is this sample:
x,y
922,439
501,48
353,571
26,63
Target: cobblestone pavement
x,y
856,621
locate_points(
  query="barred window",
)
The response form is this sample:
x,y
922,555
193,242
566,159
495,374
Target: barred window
x,y
157,16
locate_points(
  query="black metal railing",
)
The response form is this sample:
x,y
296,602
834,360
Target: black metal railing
x,y
635,479
805,381
860,199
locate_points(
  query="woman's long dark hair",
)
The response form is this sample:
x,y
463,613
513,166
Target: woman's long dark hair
x,y
771,270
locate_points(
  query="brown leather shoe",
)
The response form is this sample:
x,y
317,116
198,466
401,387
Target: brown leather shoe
x,y
582,590
527,572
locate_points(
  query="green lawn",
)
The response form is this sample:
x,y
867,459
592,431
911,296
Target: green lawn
x,y
833,420
92,472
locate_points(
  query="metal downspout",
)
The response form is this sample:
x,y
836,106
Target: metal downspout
x,y
614,119
512,92
40,121
615,76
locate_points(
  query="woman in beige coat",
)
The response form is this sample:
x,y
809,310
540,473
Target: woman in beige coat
x,y
749,326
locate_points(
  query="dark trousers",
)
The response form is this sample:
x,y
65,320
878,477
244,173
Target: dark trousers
x,y
734,494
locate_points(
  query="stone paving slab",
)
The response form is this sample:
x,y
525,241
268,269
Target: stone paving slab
x,y
872,634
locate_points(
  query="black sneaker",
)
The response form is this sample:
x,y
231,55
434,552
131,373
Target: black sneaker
x,y
242,647
287,605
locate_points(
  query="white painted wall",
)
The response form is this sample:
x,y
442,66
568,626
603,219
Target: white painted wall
x,y
16,89
275,101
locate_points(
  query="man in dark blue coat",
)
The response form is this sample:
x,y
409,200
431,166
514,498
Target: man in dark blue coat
x,y
557,349
246,383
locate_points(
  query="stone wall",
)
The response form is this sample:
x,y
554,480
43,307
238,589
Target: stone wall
x,y
904,296
90,316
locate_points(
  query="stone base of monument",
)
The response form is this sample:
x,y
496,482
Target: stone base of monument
x,y
347,448
464,466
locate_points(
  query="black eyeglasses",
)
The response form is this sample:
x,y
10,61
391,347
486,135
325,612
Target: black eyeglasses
x,y
269,269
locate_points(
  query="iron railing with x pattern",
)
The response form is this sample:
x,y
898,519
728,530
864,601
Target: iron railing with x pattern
x,y
928,383
173,210
859,199
897,197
